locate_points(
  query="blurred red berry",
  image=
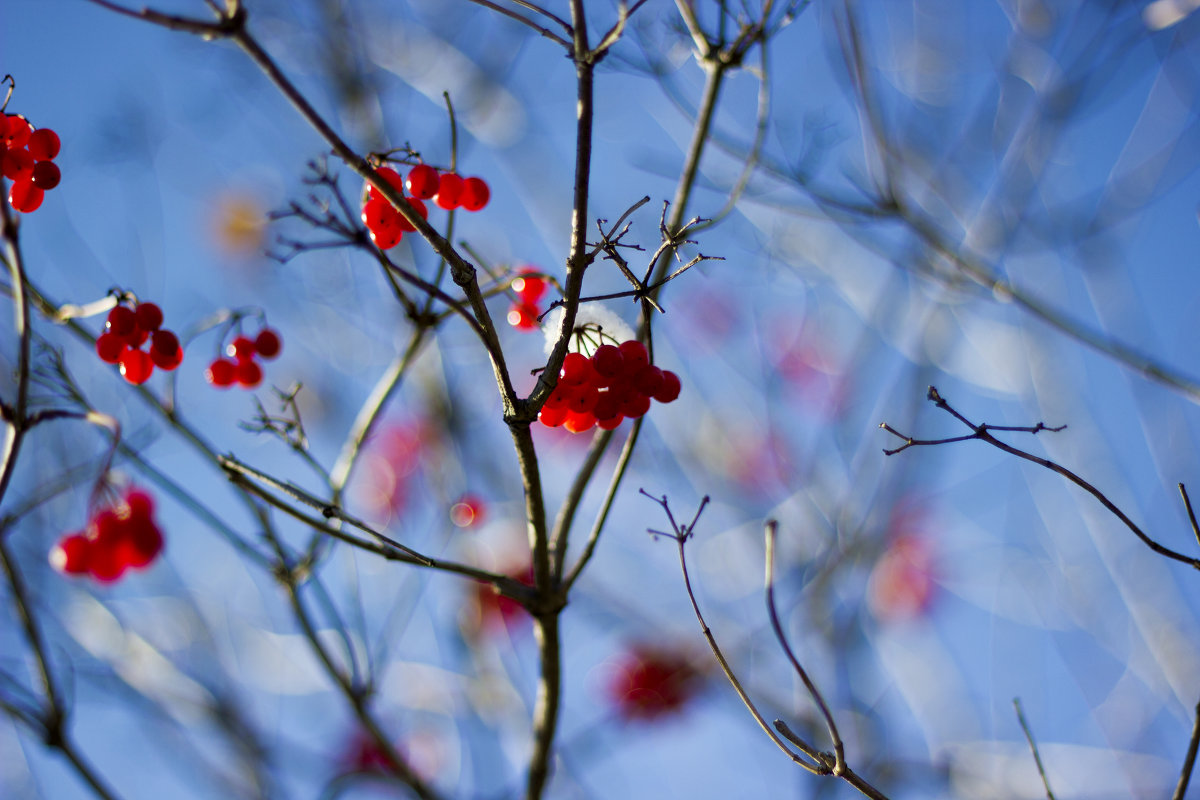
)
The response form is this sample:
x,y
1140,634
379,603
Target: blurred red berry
x,y
149,316
70,555
136,365
468,511
220,373
651,681
268,344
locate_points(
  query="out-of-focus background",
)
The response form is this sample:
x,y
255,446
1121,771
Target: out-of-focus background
x,y
996,198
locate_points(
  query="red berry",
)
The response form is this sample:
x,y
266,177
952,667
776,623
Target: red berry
x,y
165,351
560,397
25,197
422,181
607,405
267,343
608,361
528,286
388,238
142,542
576,370
670,387
392,178
136,365
379,215
44,144
579,422
46,175
121,321
524,316
449,192
635,405
608,423
242,348
70,555
220,373
149,316
648,380
16,132
106,560
475,194
636,356
139,504
584,399
248,373
109,347
17,165
553,417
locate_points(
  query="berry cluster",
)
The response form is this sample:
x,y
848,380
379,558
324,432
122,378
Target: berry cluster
x,y
27,159
448,190
242,367
126,330
120,537
650,681
387,225
525,312
615,383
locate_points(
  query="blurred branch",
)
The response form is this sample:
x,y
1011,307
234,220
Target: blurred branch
x,y
549,34
981,432
241,474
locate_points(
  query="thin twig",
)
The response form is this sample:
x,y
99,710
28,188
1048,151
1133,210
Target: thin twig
x,y
839,766
1189,761
981,432
681,533
1037,757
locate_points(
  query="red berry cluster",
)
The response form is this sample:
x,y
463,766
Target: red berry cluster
x,y
119,537
525,312
448,190
650,681
27,159
126,330
387,225
615,383
242,368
